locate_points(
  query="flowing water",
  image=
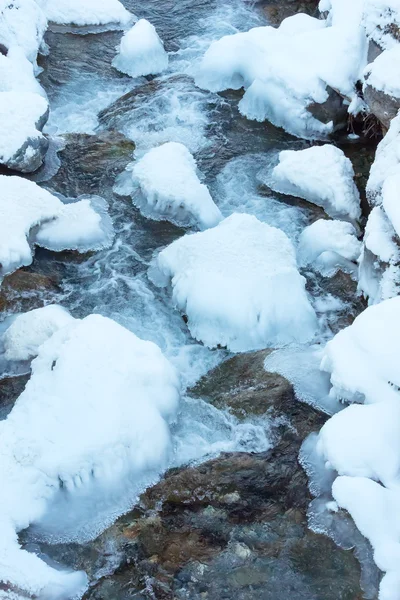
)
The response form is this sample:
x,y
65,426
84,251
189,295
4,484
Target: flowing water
x,y
234,156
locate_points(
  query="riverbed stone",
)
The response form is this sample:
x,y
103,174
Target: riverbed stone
x,y
90,163
25,290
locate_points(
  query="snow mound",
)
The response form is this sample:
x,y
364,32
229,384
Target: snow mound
x,y
287,70
383,73
25,209
238,284
17,73
379,276
30,330
22,114
23,24
141,52
362,359
322,175
84,226
171,189
362,442
379,272
85,12
329,246
90,371
386,163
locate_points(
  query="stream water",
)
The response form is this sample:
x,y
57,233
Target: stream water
x,y
234,155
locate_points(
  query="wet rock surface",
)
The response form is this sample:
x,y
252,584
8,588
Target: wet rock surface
x,y
277,10
90,163
25,290
233,527
383,106
10,389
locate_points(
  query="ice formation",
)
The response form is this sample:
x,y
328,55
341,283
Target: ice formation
x,y
89,371
170,188
329,246
361,443
322,175
141,52
30,215
238,284
85,12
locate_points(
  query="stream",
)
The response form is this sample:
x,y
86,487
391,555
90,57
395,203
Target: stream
x,y
101,121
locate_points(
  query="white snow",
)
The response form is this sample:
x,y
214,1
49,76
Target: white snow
x,y
380,17
391,199
23,24
85,12
329,246
362,359
20,112
362,442
286,70
379,273
383,74
238,284
84,226
171,189
386,163
25,206
141,52
17,73
322,175
88,372
30,330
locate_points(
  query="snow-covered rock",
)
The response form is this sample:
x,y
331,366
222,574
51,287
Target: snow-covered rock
x,y
379,274
17,73
381,20
30,330
30,215
362,359
289,70
22,144
85,12
382,85
22,24
361,444
141,52
238,284
322,175
329,246
171,190
379,268
89,371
